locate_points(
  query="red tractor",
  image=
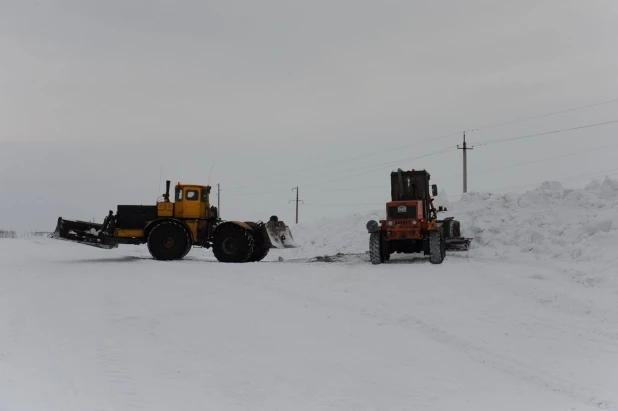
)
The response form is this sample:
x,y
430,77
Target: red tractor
x,y
412,224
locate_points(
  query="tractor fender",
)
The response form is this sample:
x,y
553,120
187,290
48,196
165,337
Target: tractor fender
x,y
156,222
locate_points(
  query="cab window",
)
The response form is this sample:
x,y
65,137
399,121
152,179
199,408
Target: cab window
x,y
178,194
192,195
204,195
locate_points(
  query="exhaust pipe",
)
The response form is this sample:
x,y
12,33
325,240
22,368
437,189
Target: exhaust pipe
x,y
166,196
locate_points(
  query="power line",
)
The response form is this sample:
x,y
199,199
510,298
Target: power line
x,y
381,166
439,178
457,133
343,204
503,140
367,155
545,115
437,138
239,193
389,163
531,162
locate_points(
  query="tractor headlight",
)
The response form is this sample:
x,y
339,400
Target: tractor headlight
x,y
414,222
373,226
390,223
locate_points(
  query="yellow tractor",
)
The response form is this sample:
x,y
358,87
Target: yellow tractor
x,y
171,228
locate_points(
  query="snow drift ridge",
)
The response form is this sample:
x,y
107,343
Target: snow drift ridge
x,y
549,222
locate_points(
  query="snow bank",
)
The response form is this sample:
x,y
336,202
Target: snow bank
x,y
549,222
330,236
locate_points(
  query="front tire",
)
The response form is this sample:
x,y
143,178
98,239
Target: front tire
x,y
437,247
233,243
375,248
168,241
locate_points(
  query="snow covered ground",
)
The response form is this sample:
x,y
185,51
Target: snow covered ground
x,y
526,320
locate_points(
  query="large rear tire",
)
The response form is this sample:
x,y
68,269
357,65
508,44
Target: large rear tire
x,y
168,240
375,248
437,247
259,252
233,243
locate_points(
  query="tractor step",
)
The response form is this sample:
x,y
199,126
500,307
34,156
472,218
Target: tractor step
x,y
82,232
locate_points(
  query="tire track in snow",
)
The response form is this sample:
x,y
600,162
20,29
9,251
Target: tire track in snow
x,y
477,352
507,364
120,383
16,326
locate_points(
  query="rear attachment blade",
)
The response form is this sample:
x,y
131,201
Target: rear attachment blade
x,y
279,235
82,232
458,244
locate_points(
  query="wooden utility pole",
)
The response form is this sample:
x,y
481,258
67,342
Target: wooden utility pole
x,y
296,201
465,148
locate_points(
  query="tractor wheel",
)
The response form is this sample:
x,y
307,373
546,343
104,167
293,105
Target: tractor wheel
x,y
186,251
232,243
259,253
437,247
443,247
375,248
168,241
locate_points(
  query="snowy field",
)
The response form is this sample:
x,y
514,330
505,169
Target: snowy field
x,y
526,320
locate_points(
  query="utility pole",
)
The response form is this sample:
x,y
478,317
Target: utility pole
x,y
296,201
465,148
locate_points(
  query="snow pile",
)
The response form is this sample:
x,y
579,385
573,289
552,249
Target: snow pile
x,y
549,222
330,236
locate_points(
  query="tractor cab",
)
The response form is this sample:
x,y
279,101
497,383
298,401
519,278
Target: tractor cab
x,y
410,196
190,202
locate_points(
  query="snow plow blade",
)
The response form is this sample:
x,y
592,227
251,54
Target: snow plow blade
x,y
458,244
279,235
82,232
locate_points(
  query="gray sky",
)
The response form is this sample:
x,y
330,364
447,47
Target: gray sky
x,y
97,96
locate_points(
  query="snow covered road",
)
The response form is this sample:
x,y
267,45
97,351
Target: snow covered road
x,y
88,329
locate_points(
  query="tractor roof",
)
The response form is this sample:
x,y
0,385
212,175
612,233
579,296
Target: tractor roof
x,y
411,172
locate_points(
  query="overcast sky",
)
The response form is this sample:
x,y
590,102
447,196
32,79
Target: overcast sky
x,y
97,96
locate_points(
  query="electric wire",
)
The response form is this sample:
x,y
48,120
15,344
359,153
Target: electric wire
x,y
441,137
